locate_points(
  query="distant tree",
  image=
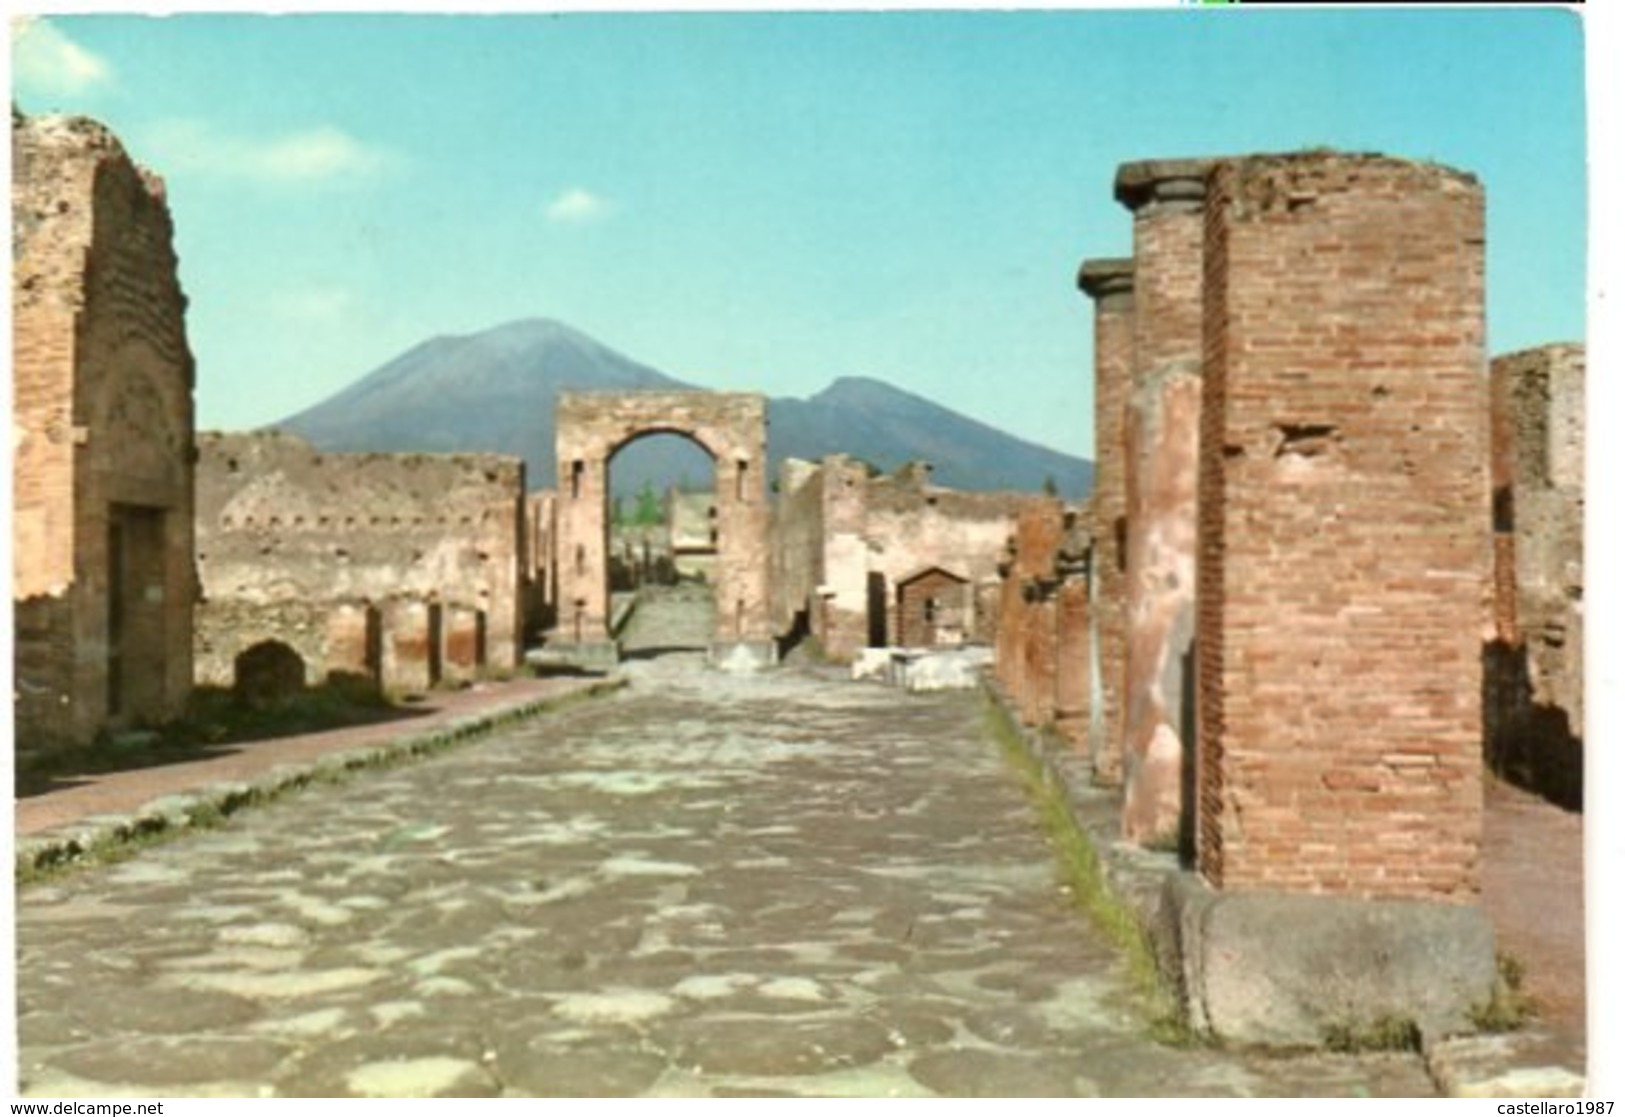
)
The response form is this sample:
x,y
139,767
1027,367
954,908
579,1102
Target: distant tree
x,y
650,510
1050,487
617,511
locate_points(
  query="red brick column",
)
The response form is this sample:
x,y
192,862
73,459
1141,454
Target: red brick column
x,y
1160,440
1345,528
1110,283
1074,653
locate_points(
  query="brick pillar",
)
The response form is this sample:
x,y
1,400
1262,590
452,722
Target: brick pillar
x,y
1161,425
411,645
463,643
1345,528
1007,642
353,642
1110,283
1074,653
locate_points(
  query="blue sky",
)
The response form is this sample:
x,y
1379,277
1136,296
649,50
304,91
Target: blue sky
x,y
768,201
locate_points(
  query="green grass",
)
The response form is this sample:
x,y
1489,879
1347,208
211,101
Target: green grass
x,y
1080,871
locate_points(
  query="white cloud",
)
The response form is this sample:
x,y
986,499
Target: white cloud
x,y
319,154
575,206
46,62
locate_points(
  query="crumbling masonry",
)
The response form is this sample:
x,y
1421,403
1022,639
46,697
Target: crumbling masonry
x,y
855,556
1533,697
404,569
102,470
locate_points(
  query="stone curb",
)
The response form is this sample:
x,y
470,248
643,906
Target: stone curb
x,y
1523,1064
172,814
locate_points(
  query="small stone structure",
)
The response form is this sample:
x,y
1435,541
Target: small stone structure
x,y
394,567
1534,669
730,426
935,608
845,542
102,417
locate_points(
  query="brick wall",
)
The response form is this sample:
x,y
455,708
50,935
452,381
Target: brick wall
x,y
1345,516
280,525
102,418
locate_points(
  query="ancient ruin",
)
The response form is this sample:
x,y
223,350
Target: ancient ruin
x,y
1110,283
1534,668
1291,372
102,462
1344,528
400,568
732,427
1160,453
847,545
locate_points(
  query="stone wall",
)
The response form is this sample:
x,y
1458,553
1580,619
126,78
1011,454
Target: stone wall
x,y
291,535
1534,700
1345,544
102,419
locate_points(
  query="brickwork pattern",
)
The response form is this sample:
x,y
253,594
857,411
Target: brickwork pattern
x,y
1345,514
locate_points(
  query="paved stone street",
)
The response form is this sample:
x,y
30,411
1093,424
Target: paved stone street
x,y
777,884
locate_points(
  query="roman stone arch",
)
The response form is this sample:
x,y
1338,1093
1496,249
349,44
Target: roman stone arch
x,y
591,427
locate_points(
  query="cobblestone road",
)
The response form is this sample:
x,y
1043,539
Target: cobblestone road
x,y
780,884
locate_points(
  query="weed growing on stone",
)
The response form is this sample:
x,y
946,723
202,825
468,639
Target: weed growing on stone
x,y
1080,871
1508,1007
1385,1033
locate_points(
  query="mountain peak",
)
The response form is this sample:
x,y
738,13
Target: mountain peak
x,y
493,391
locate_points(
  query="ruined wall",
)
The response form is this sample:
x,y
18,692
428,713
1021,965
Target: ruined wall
x,y
795,535
1110,283
910,524
844,542
1161,426
287,531
1534,700
102,418
1345,543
